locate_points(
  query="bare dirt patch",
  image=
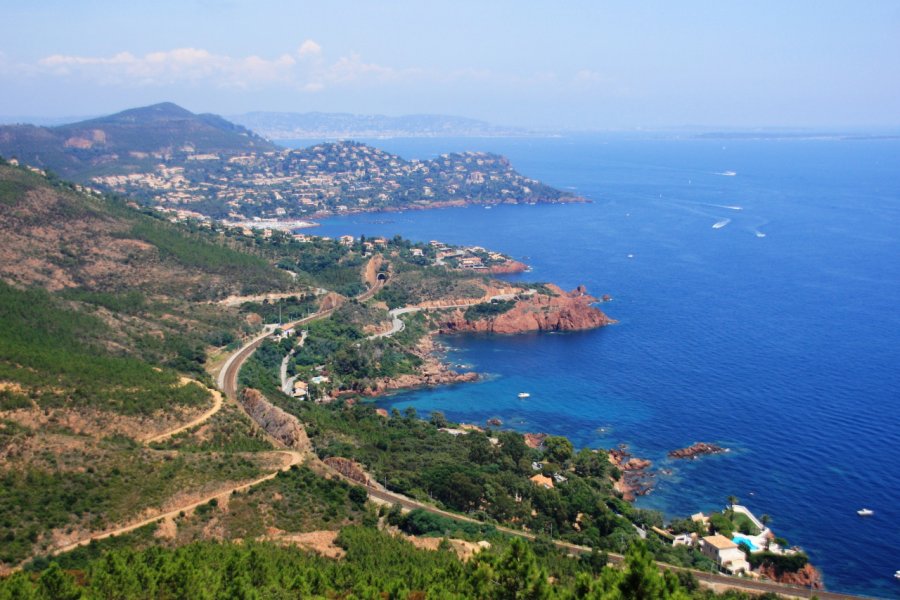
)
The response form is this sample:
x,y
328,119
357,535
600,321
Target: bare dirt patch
x,y
320,542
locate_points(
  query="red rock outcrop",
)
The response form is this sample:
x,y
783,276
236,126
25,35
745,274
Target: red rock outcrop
x,y
535,440
538,312
636,479
697,449
282,426
808,576
510,266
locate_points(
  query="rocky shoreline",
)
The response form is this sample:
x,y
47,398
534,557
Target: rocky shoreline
x,y
563,311
508,268
636,478
433,372
438,204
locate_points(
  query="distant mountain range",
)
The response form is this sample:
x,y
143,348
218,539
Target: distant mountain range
x,y
132,140
318,125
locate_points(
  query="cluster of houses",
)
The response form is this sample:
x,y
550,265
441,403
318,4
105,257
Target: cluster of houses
x,y
335,177
467,257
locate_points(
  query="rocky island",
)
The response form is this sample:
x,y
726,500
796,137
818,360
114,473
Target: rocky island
x,y
697,450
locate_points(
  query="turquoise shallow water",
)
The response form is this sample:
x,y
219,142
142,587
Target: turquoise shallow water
x,y
785,348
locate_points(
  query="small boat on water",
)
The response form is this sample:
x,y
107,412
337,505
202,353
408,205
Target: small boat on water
x,y
865,512
524,395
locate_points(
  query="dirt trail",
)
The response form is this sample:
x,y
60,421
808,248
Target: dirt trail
x,y
216,407
294,458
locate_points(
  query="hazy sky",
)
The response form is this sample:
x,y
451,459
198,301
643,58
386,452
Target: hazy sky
x,y
553,64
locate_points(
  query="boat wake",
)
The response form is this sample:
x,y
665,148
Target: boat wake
x,y
721,224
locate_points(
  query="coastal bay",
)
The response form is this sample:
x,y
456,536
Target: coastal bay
x,y
776,347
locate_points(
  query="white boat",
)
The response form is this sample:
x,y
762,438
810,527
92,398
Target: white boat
x,y
896,574
865,512
721,224
524,395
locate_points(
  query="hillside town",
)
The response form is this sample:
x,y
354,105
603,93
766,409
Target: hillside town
x,y
329,178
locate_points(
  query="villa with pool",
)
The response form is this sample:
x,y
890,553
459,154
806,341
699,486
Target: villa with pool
x,y
727,552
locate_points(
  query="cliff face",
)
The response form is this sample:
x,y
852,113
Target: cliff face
x,y
566,311
282,426
808,576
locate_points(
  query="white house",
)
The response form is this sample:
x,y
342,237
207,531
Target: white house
x,y
726,554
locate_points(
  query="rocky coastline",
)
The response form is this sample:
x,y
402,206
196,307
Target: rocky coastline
x,y
508,268
563,311
636,479
433,372
437,204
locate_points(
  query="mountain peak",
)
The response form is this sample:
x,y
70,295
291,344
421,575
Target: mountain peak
x,y
164,111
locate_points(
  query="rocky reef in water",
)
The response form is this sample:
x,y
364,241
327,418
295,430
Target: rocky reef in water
x,y
696,450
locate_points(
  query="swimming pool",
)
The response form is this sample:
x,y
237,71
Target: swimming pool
x,y
740,539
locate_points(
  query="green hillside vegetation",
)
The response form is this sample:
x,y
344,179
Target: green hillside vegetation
x,y
376,565
229,430
99,321
55,355
469,474
412,284
76,483
328,264
339,346
58,237
488,310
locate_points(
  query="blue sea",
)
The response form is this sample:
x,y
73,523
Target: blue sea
x,y
776,334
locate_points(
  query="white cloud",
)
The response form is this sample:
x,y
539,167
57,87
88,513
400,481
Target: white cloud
x,y
309,48
307,69
172,66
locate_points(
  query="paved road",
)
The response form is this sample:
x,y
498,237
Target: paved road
x,y
398,325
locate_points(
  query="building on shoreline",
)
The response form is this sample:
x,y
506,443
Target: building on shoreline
x,y
726,553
